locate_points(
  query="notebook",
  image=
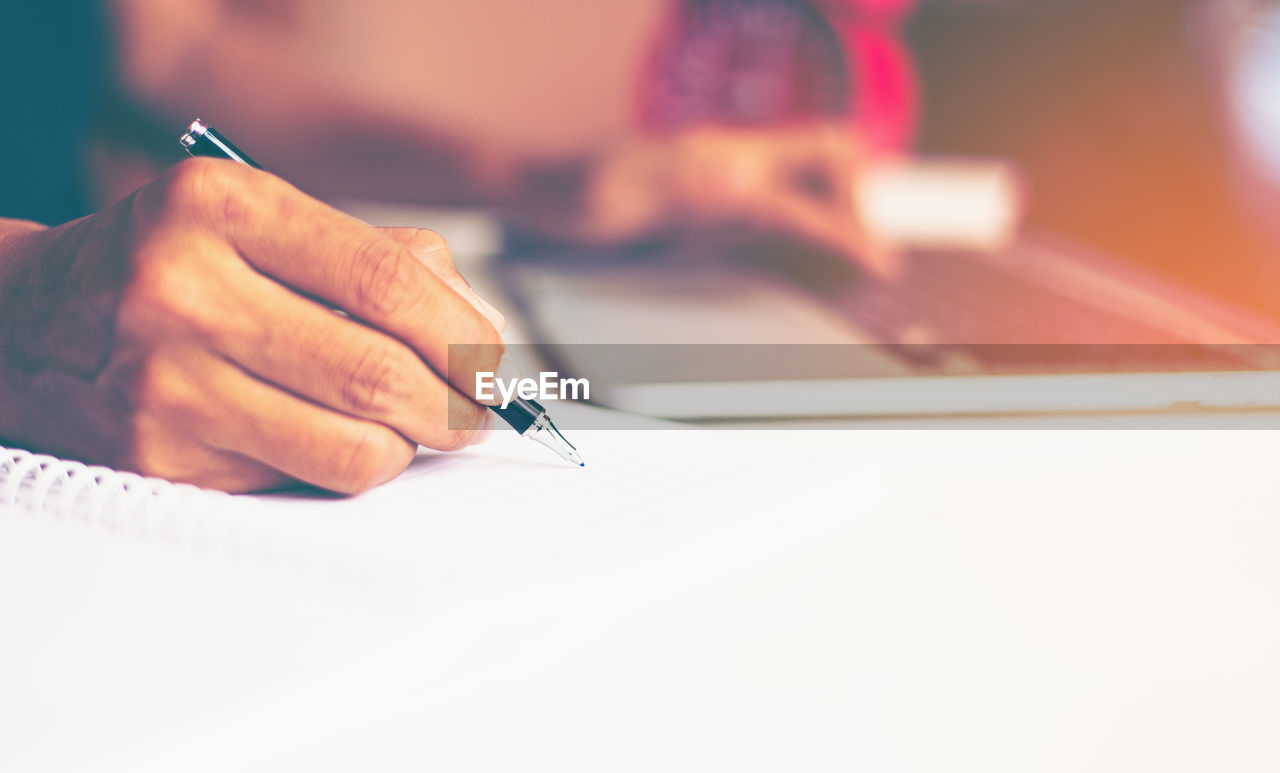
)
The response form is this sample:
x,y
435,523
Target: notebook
x,y
138,612
809,601
507,495
183,516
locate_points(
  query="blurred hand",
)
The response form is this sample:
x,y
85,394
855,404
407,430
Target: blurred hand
x,y
181,333
796,182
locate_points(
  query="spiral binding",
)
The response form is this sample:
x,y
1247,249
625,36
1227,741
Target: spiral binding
x,y
174,512
42,483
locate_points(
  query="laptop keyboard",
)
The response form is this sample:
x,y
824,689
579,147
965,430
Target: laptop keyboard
x,y
961,315
944,299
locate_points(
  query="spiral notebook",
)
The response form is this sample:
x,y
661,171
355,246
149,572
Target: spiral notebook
x,y
39,482
125,505
497,511
137,612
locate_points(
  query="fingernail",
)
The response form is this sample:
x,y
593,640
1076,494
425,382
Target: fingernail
x,y
508,370
459,284
489,311
508,373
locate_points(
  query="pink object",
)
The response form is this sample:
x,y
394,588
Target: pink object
x,y
885,111
752,62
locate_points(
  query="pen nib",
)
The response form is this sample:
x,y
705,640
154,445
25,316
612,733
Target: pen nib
x,y
546,433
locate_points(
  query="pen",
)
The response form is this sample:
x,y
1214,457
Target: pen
x,y
526,417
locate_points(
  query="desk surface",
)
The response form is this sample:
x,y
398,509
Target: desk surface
x,y
935,600
940,600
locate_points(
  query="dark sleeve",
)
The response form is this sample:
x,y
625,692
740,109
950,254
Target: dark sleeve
x,y
53,60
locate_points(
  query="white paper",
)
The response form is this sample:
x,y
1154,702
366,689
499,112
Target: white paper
x,y
931,600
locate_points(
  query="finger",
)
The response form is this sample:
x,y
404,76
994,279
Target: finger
x,y
820,162
342,364
796,181
322,252
138,417
807,189
836,154
826,228
236,474
209,467
293,436
830,142
431,249
819,158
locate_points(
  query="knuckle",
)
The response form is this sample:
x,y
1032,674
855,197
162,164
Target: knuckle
x,y
194,181
208,187
377,277
157,383
162,296
378,383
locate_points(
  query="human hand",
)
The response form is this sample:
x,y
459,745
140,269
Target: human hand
x,y
796,182
184,333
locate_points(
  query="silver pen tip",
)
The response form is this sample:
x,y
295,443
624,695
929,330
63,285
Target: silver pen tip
x,y
545,432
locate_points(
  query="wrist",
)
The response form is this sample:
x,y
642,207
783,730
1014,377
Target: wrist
x,y
14,235
15,238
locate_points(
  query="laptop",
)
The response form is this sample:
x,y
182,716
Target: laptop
x,y
1040,327
1090,307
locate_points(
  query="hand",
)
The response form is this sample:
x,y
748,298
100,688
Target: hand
x,y
183,333
796,182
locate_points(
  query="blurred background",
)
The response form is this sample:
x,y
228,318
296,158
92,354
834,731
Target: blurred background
x,y
1145,129
1142,127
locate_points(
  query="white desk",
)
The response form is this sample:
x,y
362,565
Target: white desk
x,y
936,600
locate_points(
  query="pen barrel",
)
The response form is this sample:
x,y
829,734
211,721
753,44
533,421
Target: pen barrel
x,y
520,414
